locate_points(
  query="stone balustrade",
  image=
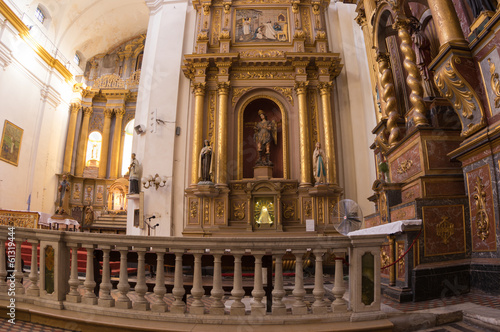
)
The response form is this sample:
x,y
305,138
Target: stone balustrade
x,y
59,286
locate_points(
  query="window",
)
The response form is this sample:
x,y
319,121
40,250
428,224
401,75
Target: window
x,y
76,59
40,16
127,146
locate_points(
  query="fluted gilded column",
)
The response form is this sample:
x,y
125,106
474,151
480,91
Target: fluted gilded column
x,y
413,79
74,108
117,141
199,98
389,97
447,23
103,162
82,142
221,153
331,169
305,150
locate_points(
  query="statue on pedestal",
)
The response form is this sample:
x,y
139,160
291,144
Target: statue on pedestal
x,y
64,189
205,167
134,176
264,131
319,164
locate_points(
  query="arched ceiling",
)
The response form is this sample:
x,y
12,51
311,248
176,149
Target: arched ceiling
x,y
92,26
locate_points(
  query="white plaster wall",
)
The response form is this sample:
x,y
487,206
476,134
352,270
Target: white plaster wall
x,y
355,115
31,93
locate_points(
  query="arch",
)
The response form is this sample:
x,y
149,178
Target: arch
x,y
94,146
284,133
381,30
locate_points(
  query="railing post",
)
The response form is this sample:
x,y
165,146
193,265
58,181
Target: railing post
x,y
18,273
140,287
197,307
237,308
123,301
339,305
298,306
34,290
73,295
279,307
105,298
178,306
89,284
217,292
258,308
364,277
319,305
3,270
158,304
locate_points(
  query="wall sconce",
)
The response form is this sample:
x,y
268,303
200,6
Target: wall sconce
x,y
156,181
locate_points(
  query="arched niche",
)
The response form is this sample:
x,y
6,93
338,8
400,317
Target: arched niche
x,y
247,151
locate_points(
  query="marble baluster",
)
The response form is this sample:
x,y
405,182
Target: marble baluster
x,y
258,308
299,307
34,290
158,304
319,305
178,306
197,307
18,274
74,294
89,284
217,292
123,301
278,293
141,288
237,307
339,305
105,298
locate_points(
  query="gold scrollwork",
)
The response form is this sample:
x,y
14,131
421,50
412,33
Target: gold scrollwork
x,y
238,92
287,92
239,211
445,229
212,100
452,86
384,258
219,211
206,211
238,186
262,75
289,186
308,209
109,81
193,210
482,219
320,209
495,83
401,264
404,166
288,210
261,54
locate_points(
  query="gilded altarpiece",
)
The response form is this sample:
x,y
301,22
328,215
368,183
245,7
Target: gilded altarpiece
x,y
258,62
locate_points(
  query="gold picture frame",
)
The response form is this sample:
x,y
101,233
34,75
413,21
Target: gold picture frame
x,y
10,146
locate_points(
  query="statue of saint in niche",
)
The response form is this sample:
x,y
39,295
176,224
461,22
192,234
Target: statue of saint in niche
x,y
264,131
205,167
64,189
134,170
319,164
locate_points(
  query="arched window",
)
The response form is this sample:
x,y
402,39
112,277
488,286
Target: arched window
x,y
94,149
42,15
127,146
39,15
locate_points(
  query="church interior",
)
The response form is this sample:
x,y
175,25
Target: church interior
x,y
254,120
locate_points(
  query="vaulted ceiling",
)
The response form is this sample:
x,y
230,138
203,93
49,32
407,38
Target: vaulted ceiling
x,y
90,26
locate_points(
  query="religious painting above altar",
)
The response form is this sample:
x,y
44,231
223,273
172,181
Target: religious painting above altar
x,y
261,25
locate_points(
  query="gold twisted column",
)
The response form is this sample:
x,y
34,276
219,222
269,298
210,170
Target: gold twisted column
x,y
389,97
413,79
221,166
117,140
331,169
447,23
103,162
82,142
305,150
70,139
199,99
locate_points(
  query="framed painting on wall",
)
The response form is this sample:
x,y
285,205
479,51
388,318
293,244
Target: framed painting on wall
x,y
261,25
11,143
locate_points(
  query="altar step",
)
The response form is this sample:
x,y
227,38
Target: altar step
x,y
109,223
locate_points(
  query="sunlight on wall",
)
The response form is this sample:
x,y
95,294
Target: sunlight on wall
x,y
127,146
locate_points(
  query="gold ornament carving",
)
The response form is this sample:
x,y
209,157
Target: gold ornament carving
x,y
262,54
133,81
212,102
313,106
227,7
193,209
239,211
19,219
482,219
288,210
258,2
287,92
413,79
112,81
238,92
401,264
295,6
206,212
225,34
445,229
495,83
308,209
87,111
74,107
202,36
321,35
404,166
219,210
199,88
384,258
206,9
288,187
306,24
216,26
382,207
238,186
361,18
452,86
320,209
262,75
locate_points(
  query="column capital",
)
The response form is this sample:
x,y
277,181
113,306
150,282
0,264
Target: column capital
x,y
120,112
87,111
223,87
324,87
75,107
301,87
108,112
199,88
